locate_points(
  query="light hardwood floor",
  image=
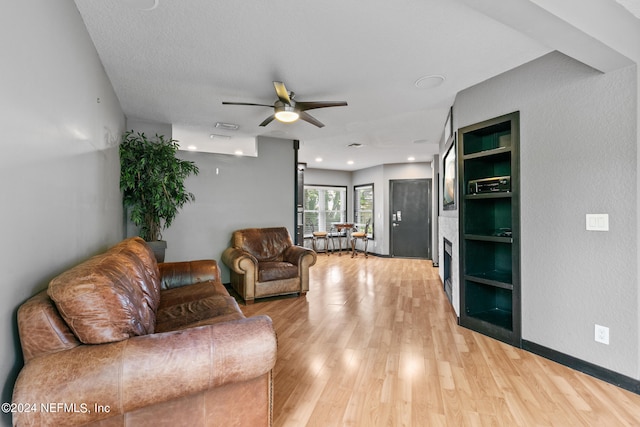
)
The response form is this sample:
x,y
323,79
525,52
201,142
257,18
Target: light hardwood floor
x,y
375,343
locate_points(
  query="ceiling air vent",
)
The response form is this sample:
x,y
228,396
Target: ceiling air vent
x,y
227,126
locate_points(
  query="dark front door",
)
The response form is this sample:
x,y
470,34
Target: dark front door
x,y
410,218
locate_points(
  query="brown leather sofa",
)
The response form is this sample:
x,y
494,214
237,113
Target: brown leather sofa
x,y
120,340
264,262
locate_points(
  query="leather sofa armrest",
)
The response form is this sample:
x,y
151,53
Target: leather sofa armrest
x,y
145,370
240,261
296,254
176,274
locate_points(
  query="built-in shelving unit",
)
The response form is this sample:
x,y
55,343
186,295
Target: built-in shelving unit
x,y
488,177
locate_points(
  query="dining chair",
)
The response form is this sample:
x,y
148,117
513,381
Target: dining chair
x,y
360,235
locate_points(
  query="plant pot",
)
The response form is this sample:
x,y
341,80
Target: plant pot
x,y
158,247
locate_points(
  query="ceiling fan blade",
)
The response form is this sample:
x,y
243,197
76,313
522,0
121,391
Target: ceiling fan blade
x,y
319,104
245,103
309,118
268,120
281,91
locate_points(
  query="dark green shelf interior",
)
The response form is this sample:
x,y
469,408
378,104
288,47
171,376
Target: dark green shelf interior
x,y
489,304
489,217
488,138
504,278
487,167
486,257
489,227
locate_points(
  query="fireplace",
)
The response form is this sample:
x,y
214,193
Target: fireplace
x,y
447,270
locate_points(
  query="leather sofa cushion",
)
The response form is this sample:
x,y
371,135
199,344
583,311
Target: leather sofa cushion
x,y
186,273
112,296
205,311
268,271
195,305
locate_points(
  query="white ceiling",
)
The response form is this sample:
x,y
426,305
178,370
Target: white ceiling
x,y
175,62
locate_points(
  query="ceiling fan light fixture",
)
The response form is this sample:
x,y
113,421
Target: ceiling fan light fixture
x,y
286,114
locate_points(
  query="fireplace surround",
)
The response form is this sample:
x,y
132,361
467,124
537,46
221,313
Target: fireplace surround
x,y
447,270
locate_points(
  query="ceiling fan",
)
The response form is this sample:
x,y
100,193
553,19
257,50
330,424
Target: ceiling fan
x,y
287,110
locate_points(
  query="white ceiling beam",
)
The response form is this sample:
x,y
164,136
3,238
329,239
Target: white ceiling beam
x,y
556,28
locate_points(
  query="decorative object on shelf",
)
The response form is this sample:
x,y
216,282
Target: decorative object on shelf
x,y
489,191
152,181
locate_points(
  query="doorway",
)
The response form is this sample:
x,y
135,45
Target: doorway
x,y
410,218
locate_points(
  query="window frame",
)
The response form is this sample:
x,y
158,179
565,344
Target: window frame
x,y
324,224
357,208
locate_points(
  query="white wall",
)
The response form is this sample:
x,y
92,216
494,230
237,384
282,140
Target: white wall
x,y
578,156
61,123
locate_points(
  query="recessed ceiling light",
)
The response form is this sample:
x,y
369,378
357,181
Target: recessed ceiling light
x,y
238,153
318,159
427,82
192,147
349,162
216,136
227,126
411,158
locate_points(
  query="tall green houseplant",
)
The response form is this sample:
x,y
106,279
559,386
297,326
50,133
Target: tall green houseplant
x,y
152,180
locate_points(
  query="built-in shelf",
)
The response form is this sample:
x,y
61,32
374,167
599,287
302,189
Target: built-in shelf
x,y
489,228
499,279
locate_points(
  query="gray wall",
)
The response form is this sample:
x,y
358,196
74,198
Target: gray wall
x,y
232,192
379,176
59,167
578,156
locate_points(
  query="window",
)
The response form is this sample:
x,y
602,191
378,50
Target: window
x,y
363,202
323,206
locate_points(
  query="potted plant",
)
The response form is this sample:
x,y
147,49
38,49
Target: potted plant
x,y
152,180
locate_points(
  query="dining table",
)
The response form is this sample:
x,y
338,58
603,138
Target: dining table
x,y
341,227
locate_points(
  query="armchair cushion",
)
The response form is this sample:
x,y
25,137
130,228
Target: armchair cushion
x,y
269,270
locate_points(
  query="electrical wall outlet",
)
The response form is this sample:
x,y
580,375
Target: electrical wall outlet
x,y
602,334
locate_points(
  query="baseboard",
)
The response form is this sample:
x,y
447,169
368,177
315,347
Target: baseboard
x,y
595,371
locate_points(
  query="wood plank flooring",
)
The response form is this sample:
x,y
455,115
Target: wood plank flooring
x,y
375,343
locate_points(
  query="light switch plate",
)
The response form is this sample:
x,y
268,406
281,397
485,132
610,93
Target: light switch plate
x,y
598,222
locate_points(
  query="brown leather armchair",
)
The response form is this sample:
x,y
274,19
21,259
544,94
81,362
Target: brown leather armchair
x,y
264,262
